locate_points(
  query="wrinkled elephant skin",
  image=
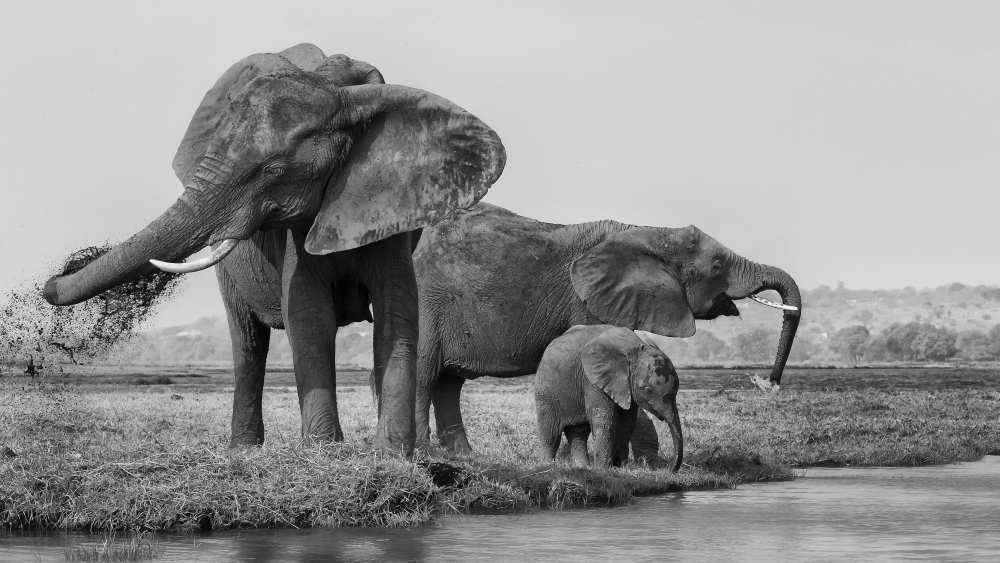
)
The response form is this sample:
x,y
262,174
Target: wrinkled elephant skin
x,y
592,381
495,288
312,179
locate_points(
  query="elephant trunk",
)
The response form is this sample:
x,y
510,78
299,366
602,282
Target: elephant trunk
x,y
173,234
749,278
673,420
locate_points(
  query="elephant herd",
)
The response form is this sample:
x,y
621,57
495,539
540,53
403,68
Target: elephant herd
x,y
330,197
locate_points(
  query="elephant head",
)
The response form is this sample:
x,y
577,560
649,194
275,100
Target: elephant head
x,y
661,279
626,368
297,139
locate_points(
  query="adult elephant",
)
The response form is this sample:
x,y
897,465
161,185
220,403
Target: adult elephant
x,y
310,178
495,288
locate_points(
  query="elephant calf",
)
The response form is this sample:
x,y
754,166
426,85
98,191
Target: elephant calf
x,y
593,379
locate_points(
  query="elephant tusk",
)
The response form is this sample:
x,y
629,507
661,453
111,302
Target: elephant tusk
x,y
781,306
219,251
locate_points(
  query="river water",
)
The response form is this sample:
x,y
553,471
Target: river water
x,y
947,512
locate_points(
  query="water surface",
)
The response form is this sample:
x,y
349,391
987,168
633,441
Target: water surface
x,y
943,512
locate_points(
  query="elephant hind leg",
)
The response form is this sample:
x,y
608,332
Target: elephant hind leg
x,y
446,394
577,436
428,368
549,432
250,339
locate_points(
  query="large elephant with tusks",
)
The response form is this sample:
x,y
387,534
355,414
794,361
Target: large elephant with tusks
x,y
311,179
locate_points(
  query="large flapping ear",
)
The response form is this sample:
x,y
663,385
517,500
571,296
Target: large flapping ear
x,y
419,159
206,118
605,361
624,283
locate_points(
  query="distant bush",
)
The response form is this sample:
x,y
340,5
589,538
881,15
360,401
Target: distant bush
x,y
757,346
850,342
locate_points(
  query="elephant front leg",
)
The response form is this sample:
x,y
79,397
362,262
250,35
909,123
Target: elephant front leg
x,y
393,289
604,426
645,441
311,325
250,340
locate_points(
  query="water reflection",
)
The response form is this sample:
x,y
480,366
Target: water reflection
x,y
947,512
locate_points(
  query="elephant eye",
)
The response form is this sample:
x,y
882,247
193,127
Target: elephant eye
x,y
274,169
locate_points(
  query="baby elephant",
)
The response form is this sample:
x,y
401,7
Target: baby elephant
x,y
593,379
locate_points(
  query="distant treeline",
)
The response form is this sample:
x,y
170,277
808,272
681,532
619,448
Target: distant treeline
x,y
911,342
839,325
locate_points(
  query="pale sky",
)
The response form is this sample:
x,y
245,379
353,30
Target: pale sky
x,y
843,141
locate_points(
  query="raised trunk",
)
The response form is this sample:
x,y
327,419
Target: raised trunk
x,y
175,233
673,420
748,278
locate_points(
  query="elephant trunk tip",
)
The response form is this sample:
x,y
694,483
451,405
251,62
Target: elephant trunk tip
x,y
51,292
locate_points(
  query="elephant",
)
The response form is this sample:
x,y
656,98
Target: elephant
x,y
496,287
594,379
310,178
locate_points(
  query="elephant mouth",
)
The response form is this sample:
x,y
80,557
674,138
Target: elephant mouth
x,y
722,306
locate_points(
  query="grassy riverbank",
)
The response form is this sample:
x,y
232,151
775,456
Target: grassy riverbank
x,y
101,457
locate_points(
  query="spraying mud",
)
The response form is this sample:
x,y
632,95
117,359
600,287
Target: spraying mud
x,y
33,332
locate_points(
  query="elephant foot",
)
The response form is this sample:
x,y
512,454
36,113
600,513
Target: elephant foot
x,y
245,442
460,448
456,442
246,436
323,435
764,384
396,446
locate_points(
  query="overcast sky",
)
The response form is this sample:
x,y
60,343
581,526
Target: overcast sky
x,y
843,141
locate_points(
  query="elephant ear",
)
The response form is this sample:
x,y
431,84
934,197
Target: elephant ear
x,y
212,108
624,283
605,361
418,159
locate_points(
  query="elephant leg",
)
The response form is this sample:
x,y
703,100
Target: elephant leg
x,y
447,395
549,431
428,366
604,427
311,324
393,288
250,339
645,441
577,437
624,427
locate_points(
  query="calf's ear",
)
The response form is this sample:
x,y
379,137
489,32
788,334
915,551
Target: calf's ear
x,y
606,363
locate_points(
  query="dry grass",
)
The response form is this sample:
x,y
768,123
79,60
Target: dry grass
x,y
155,457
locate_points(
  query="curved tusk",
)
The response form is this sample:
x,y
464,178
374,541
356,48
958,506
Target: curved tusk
x,y
219,251
769,303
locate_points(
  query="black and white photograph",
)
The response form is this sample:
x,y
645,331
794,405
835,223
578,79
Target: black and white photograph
x,y
429,281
